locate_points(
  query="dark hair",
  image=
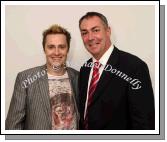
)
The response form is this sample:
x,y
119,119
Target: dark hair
x,y
91,14
56,29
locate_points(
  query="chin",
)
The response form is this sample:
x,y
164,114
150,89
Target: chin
x,y
94,52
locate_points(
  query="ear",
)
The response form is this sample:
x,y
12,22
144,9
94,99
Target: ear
x,y
109,31
44,49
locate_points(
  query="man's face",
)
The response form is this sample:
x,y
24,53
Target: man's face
x,y
56,49
95,35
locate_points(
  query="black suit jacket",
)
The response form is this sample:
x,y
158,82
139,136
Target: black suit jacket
x,y
116,103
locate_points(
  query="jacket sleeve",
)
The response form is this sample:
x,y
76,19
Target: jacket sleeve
x,y
16,114
141,100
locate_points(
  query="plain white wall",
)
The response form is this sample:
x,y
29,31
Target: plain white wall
x,y
133,30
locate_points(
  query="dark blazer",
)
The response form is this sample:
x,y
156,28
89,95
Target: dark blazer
x,y
30,105
116,106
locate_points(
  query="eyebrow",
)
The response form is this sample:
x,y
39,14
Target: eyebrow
x,y
91,28
58,45
50,45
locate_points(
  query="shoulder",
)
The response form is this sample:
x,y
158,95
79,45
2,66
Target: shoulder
x,y
33,71
87,64
72,71
130,60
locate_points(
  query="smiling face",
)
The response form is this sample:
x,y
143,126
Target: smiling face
x,y
56,49
95,35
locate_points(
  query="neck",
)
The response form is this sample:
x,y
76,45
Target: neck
x,y
100,55
56,71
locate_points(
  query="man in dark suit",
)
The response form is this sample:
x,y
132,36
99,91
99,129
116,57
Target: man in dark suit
x,y
45,97
115,89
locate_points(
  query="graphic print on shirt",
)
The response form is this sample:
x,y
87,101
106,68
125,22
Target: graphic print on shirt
x,y
62,103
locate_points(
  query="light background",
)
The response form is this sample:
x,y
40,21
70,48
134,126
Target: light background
x,y
133,30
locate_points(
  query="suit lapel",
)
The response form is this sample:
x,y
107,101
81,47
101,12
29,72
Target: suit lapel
x,y
44,92
106,75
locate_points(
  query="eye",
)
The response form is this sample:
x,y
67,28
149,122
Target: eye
x,y
50,46
84,33
62,46
96,30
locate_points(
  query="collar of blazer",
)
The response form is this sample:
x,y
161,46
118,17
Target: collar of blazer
x,y
113,59
104,79
72,74
43,68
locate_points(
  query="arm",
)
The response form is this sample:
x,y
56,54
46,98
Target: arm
x,y
141,101
16,114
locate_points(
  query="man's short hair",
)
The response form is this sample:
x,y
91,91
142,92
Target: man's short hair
x,y
91,14
56,29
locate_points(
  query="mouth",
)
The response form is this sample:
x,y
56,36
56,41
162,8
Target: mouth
x,y
93,44
56,58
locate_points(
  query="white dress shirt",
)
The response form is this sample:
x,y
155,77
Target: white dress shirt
x,y
103,61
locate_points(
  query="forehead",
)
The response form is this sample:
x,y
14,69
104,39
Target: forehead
x,y
56,38
91,22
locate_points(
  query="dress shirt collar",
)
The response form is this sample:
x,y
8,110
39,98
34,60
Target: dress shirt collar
x,y
103,60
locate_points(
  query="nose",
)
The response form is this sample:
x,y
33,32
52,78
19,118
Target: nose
x,y
56,51
90,36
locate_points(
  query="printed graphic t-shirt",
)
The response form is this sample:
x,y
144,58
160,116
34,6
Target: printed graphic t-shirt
x,y
62,103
